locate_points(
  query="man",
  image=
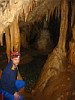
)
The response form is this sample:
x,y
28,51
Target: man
x,y
9,83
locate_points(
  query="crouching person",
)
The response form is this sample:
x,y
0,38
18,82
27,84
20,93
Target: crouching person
x,y
10,86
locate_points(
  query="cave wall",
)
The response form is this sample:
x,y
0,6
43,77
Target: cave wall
x,y
56,60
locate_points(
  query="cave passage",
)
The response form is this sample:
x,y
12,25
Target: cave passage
x,y
32,61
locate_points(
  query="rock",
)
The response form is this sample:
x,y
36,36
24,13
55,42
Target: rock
x,y
44,42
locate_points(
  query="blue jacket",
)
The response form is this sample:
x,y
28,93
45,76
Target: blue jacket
x,y
8,79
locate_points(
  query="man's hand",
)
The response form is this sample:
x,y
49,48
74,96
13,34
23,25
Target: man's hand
x,y
16,96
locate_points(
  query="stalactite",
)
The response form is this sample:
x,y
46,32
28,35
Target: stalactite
x,y
0,11
73,13
73,32
47,15
64,25
72,19
7,36
11,35
50,13
11,2
16,35
26,12
30,6
28,9
1,39
72,48
21,15
36,2
24,36
57,12
1,34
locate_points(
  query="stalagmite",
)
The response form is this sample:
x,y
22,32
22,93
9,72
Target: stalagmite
x,y
7,35
56,60
16,35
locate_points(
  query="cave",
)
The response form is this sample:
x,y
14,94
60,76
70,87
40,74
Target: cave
x,y
43,31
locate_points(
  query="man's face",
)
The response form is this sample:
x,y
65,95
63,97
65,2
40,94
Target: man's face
x,y
16,60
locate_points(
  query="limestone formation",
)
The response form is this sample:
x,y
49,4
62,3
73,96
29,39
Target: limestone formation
x,y
44,42
7,35
57,58
10,11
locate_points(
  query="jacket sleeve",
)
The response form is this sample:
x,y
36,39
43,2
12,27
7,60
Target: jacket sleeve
x,y
8,83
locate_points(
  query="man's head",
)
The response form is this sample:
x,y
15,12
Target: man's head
x,y
15,58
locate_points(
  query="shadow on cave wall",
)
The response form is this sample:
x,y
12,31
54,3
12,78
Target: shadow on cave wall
x,y
54,28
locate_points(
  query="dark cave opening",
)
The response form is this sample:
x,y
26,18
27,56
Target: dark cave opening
x,y
54,28
34,33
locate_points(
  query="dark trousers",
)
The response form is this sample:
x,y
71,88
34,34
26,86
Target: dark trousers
x,y
19,85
